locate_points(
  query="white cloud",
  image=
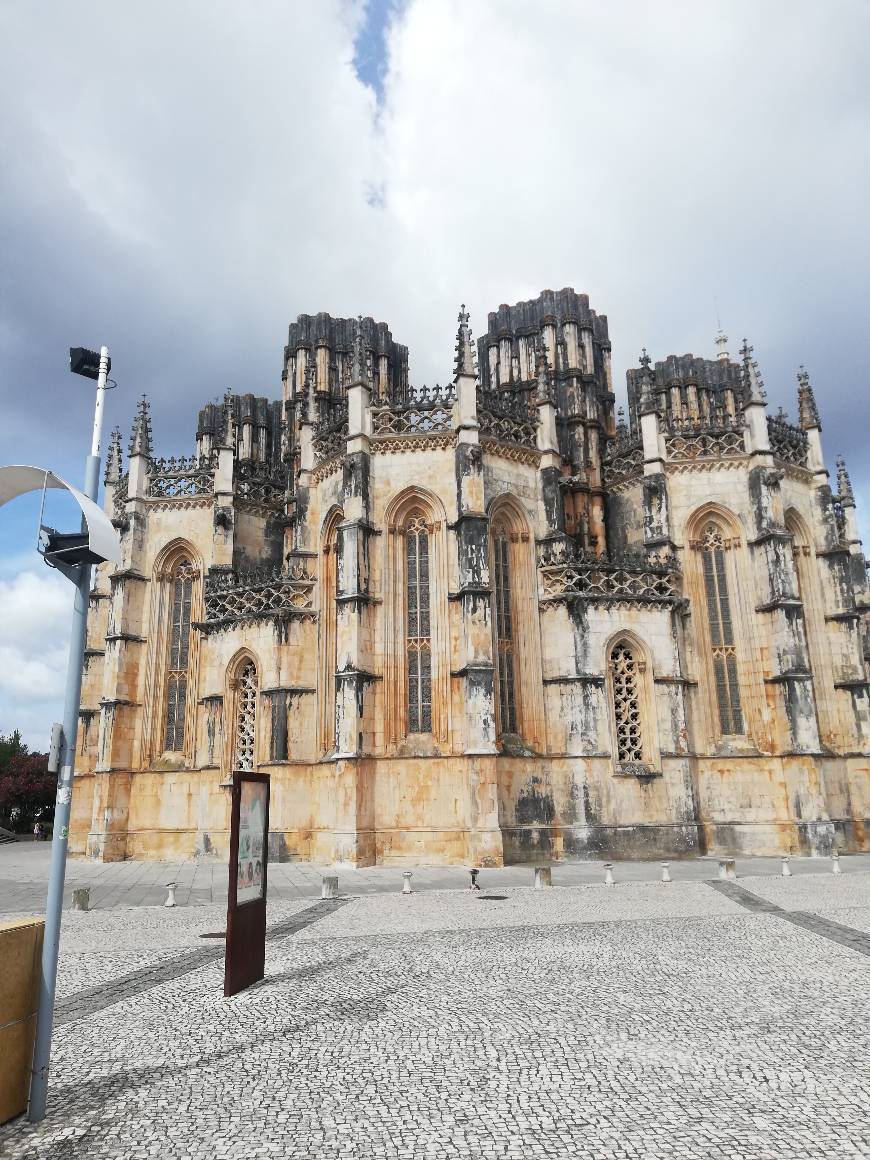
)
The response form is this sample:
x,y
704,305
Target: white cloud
x,y
670,159
34,639
182,180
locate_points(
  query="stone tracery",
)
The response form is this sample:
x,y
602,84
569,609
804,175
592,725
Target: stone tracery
x,y
245,726
626,704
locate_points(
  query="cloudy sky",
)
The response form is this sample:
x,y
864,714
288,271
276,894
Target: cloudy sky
x,y
181,178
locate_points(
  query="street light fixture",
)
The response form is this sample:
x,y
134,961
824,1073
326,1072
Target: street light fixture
x,y
86,362
73,554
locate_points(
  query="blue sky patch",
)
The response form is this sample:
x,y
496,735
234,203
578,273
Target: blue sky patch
x,y
370,55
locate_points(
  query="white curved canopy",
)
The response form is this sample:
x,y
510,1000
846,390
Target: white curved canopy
x,y
103,539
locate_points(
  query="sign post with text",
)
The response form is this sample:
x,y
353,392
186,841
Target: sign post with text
x,y
246,901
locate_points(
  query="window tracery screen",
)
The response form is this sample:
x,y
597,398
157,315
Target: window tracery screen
x,y
504,632
178,660
418,635
723,646
246,717
626,704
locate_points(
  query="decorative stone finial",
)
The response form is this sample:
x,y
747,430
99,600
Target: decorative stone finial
x,y
844,484
808,412
753,384
621,425
647,402
542,371
229,425
466,363
359,373
140,437
722,343
114,462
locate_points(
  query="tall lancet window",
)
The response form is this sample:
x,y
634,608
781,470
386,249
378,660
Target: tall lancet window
x,y
178,662
245,733
418,632
713,546
504,630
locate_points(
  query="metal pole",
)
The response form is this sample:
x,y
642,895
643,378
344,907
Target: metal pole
x,y
60,837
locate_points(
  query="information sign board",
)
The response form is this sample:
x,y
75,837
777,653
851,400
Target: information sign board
x,y
246,901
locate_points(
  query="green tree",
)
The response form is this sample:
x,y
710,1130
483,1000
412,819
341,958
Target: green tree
x,y
27,789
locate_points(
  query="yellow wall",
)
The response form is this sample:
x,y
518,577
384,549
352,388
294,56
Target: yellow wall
x,y
20,955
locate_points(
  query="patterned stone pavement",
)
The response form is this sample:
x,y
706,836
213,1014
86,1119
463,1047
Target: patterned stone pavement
x,y
646,1020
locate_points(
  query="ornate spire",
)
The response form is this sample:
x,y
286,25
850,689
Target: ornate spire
x,y
621,425
465,359
140,437
753,384
647,402
229,425
808,412
844,484
114,462
722,343
542,372
359,371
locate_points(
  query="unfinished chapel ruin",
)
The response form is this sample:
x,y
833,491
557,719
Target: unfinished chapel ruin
x,y
486,622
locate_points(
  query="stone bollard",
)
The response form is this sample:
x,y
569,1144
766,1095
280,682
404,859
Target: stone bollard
x,y
170,894
835,862
666,872
543,877
786,869
474,885
406,882
81,899
608,874
329,888
728,868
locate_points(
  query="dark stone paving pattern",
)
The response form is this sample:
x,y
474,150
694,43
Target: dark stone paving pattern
x,y
856,940
94,999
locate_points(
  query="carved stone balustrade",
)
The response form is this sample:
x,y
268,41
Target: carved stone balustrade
x,y
428,410
717,438
330,434
511,416
232,597
182,477
632,578
258,484
624,460
788,443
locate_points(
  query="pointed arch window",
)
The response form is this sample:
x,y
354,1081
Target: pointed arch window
x,y
625,668
504,629
418,630
713,545
178,660
245,725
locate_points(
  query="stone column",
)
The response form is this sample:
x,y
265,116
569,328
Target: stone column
x,y
354,822
781,606
474,599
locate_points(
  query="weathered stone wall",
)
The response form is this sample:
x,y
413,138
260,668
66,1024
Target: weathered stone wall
x,y
324,618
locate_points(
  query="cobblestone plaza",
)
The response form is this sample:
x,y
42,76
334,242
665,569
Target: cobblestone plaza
x,y
693,1019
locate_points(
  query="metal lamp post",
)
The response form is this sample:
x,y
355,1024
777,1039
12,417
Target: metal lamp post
x,y
76,564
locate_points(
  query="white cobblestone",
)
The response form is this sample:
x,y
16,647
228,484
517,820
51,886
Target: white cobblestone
x,y
635,1022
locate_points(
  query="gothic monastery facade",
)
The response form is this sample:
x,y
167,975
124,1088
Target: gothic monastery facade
x,y
488,622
